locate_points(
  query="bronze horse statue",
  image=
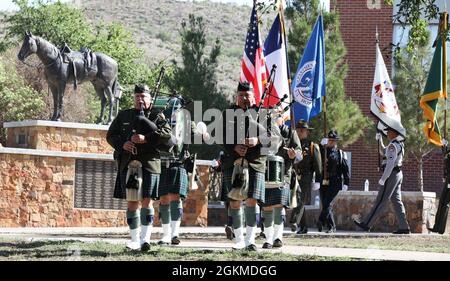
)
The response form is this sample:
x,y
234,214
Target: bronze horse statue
x,y
65,66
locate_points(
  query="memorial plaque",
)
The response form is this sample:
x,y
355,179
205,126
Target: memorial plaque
x,y
94,185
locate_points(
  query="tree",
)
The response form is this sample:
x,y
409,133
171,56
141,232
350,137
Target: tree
x,y
197,78
17,100
350,122
411,72
416,14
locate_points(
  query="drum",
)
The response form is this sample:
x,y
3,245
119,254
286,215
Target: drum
x,y
274,171
172,109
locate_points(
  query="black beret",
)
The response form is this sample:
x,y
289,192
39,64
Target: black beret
x,y
141,88
244,87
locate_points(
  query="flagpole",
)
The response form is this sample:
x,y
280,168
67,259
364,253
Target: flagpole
x,y
443,31
283,30
378,142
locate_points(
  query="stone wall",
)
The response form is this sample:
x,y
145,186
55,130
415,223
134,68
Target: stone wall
x,y
38,191
37,173
420,211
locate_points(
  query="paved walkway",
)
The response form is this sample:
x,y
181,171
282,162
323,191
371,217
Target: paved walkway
x,y
120,236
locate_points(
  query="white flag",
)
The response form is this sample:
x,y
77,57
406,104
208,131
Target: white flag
x,y
383,103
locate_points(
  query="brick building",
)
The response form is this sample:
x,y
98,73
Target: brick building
x,y
359,20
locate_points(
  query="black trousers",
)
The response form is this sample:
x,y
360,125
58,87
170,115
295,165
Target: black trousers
x,y
327,195
440,221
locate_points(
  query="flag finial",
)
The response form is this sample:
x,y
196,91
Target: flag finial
x,y
376,35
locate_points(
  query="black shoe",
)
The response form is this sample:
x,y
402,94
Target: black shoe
x,y
302,230
361,225
319,226
331,230
294,227
162,243
267,246
261,236
175,240
145,247
251,248
229,232
431,229
402,231
277,243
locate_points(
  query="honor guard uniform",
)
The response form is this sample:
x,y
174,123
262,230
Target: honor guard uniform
x,y
244,165
335,178
136,136
277,196
390,182
309,175
440,221
173,188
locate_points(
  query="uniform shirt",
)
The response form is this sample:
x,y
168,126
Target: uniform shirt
x,y
255,159
148,154
311,162
337,166
393,157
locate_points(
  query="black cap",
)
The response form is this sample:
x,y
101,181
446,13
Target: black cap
x,y
141,88
333,134
302,124
244,87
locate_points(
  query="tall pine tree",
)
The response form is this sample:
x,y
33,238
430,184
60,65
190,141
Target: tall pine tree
x,y
196,78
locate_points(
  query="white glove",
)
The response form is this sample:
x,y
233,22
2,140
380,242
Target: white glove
x,y
298,156
324,141
381,182
201,128
315,185
344,187
448,186
378,136
444,142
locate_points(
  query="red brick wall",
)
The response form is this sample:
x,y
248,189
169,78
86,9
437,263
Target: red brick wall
x,y
358,25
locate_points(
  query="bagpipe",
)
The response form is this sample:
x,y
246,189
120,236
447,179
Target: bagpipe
x,y
275,171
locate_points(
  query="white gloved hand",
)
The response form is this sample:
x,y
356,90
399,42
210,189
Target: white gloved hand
x,y
324,141
381,182
298,156
315,185
201,128
448,186
344,187
444,142
377,136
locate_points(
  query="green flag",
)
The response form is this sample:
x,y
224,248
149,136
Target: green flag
x,y
435,88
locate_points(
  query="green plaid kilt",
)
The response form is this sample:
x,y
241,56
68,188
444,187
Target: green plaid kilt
x,y
150,182
255,189
275,196
173,180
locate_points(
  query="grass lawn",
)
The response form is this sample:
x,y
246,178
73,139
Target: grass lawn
x,y
101,251
430,243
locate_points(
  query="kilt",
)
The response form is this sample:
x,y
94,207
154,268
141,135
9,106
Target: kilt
x,y
173,180
150,182
275,196
256,185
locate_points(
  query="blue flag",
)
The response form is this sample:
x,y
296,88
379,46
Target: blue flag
x,y
308,86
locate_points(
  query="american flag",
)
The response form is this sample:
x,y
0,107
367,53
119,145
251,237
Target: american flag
x,y
253,63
